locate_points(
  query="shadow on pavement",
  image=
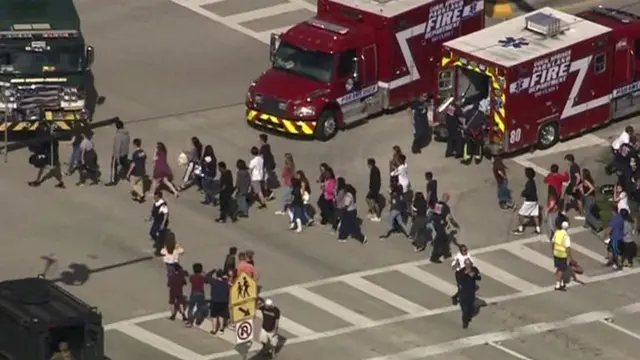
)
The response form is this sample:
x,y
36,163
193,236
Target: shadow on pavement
x,y
78,274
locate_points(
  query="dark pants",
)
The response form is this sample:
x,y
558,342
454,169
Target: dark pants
x,y
157,232
454,143
326,210
349,226
335,220
419,232
420,139
118,168
226,206
629,251
467,305
440,246
472,148
196,300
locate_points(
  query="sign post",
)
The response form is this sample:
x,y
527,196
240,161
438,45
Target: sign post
x,y
243,307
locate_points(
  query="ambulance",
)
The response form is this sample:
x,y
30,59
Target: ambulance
x,y
546,76
353,60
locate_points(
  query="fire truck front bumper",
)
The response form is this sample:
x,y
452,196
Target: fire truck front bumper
x,y
62,120
293,127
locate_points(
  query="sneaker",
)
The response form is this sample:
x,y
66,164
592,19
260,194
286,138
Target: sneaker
x,y
279,212
518,231
299,230
579,217
376,219
365,240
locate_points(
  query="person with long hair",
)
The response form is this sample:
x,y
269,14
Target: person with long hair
x,y
349,224
306,196
629,246
287,173
326,200
162,174
296,207
171,253
589,200
194,158
499,170
341,185
209,168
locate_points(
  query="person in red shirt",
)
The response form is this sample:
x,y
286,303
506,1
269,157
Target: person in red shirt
x,y
176,283
197,298
555,180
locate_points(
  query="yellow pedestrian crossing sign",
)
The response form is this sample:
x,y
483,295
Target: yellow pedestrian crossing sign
x,y
243,296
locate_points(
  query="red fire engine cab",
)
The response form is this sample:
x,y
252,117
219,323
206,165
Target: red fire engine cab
x,y
545,76
355,59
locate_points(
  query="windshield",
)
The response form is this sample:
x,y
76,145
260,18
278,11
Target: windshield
x,y
311,64
57,60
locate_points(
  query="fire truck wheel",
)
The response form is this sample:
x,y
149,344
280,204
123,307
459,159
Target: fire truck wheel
x,y
548,135
327,126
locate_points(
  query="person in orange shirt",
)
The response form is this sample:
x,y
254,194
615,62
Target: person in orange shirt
x,y
244,266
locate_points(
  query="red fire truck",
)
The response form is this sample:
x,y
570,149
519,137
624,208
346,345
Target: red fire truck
x,y
355,59
545,76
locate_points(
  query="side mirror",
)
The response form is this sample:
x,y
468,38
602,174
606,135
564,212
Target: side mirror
x,y
273,45
356,61
89,56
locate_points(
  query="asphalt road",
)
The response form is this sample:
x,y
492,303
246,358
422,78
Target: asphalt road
x,y
172,73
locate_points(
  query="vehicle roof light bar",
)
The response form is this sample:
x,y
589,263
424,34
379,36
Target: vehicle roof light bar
x,y
328,26
50,34
39,26
545,24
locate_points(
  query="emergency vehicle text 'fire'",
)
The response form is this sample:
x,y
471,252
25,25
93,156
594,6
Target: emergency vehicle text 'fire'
x,y
445,17
548,73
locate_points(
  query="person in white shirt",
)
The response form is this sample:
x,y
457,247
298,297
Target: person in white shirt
x,y
458,264
402,172
621,198
256,169
171,254
623,138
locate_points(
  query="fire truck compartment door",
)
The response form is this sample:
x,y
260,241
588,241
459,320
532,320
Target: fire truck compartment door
x,y
369,66
623,64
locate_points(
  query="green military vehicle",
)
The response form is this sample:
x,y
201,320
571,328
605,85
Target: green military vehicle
x,y
44,66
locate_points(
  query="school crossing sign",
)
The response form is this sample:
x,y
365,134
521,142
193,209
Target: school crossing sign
x,y
243,298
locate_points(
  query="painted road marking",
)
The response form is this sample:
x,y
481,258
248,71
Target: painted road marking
x,y
443,310
330,306
262,13
496,337
428,279
505,349
409,268
234,22
158,342
504,277
620,328
384,295
587,253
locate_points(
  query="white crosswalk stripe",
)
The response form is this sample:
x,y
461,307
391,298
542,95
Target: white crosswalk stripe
x,y
239,20
347,312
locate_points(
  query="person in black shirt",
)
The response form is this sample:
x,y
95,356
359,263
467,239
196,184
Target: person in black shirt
x,y
137,171
454,136
49,151
397,211
420,122
529,210
419,231
226,194
432,189
209,170
373,195
441,217
270,323
622,163
230,259
271,179
467,278
574,188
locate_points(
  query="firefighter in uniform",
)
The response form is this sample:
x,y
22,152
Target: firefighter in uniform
x,y
420,123
454,137
473,132
440,219
159,219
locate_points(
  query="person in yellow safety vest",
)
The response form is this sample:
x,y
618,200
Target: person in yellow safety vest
x,y
561,247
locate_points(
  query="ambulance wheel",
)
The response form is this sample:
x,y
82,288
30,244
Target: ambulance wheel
x,y
548,135
327,126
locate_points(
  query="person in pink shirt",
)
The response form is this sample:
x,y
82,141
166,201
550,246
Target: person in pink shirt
x,y
326,202
244,266
288,171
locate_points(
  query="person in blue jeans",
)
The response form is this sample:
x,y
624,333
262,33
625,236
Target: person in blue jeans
x,y
616,237
500,174
395,221
197,306
75,159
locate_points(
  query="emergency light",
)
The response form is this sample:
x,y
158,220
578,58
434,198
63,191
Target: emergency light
x,y
49,34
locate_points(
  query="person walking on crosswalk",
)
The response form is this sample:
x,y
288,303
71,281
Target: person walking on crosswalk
x,y
457,265
468,277
561,248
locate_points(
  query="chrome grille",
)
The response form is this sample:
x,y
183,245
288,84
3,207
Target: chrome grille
x,y
272,106
38,97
